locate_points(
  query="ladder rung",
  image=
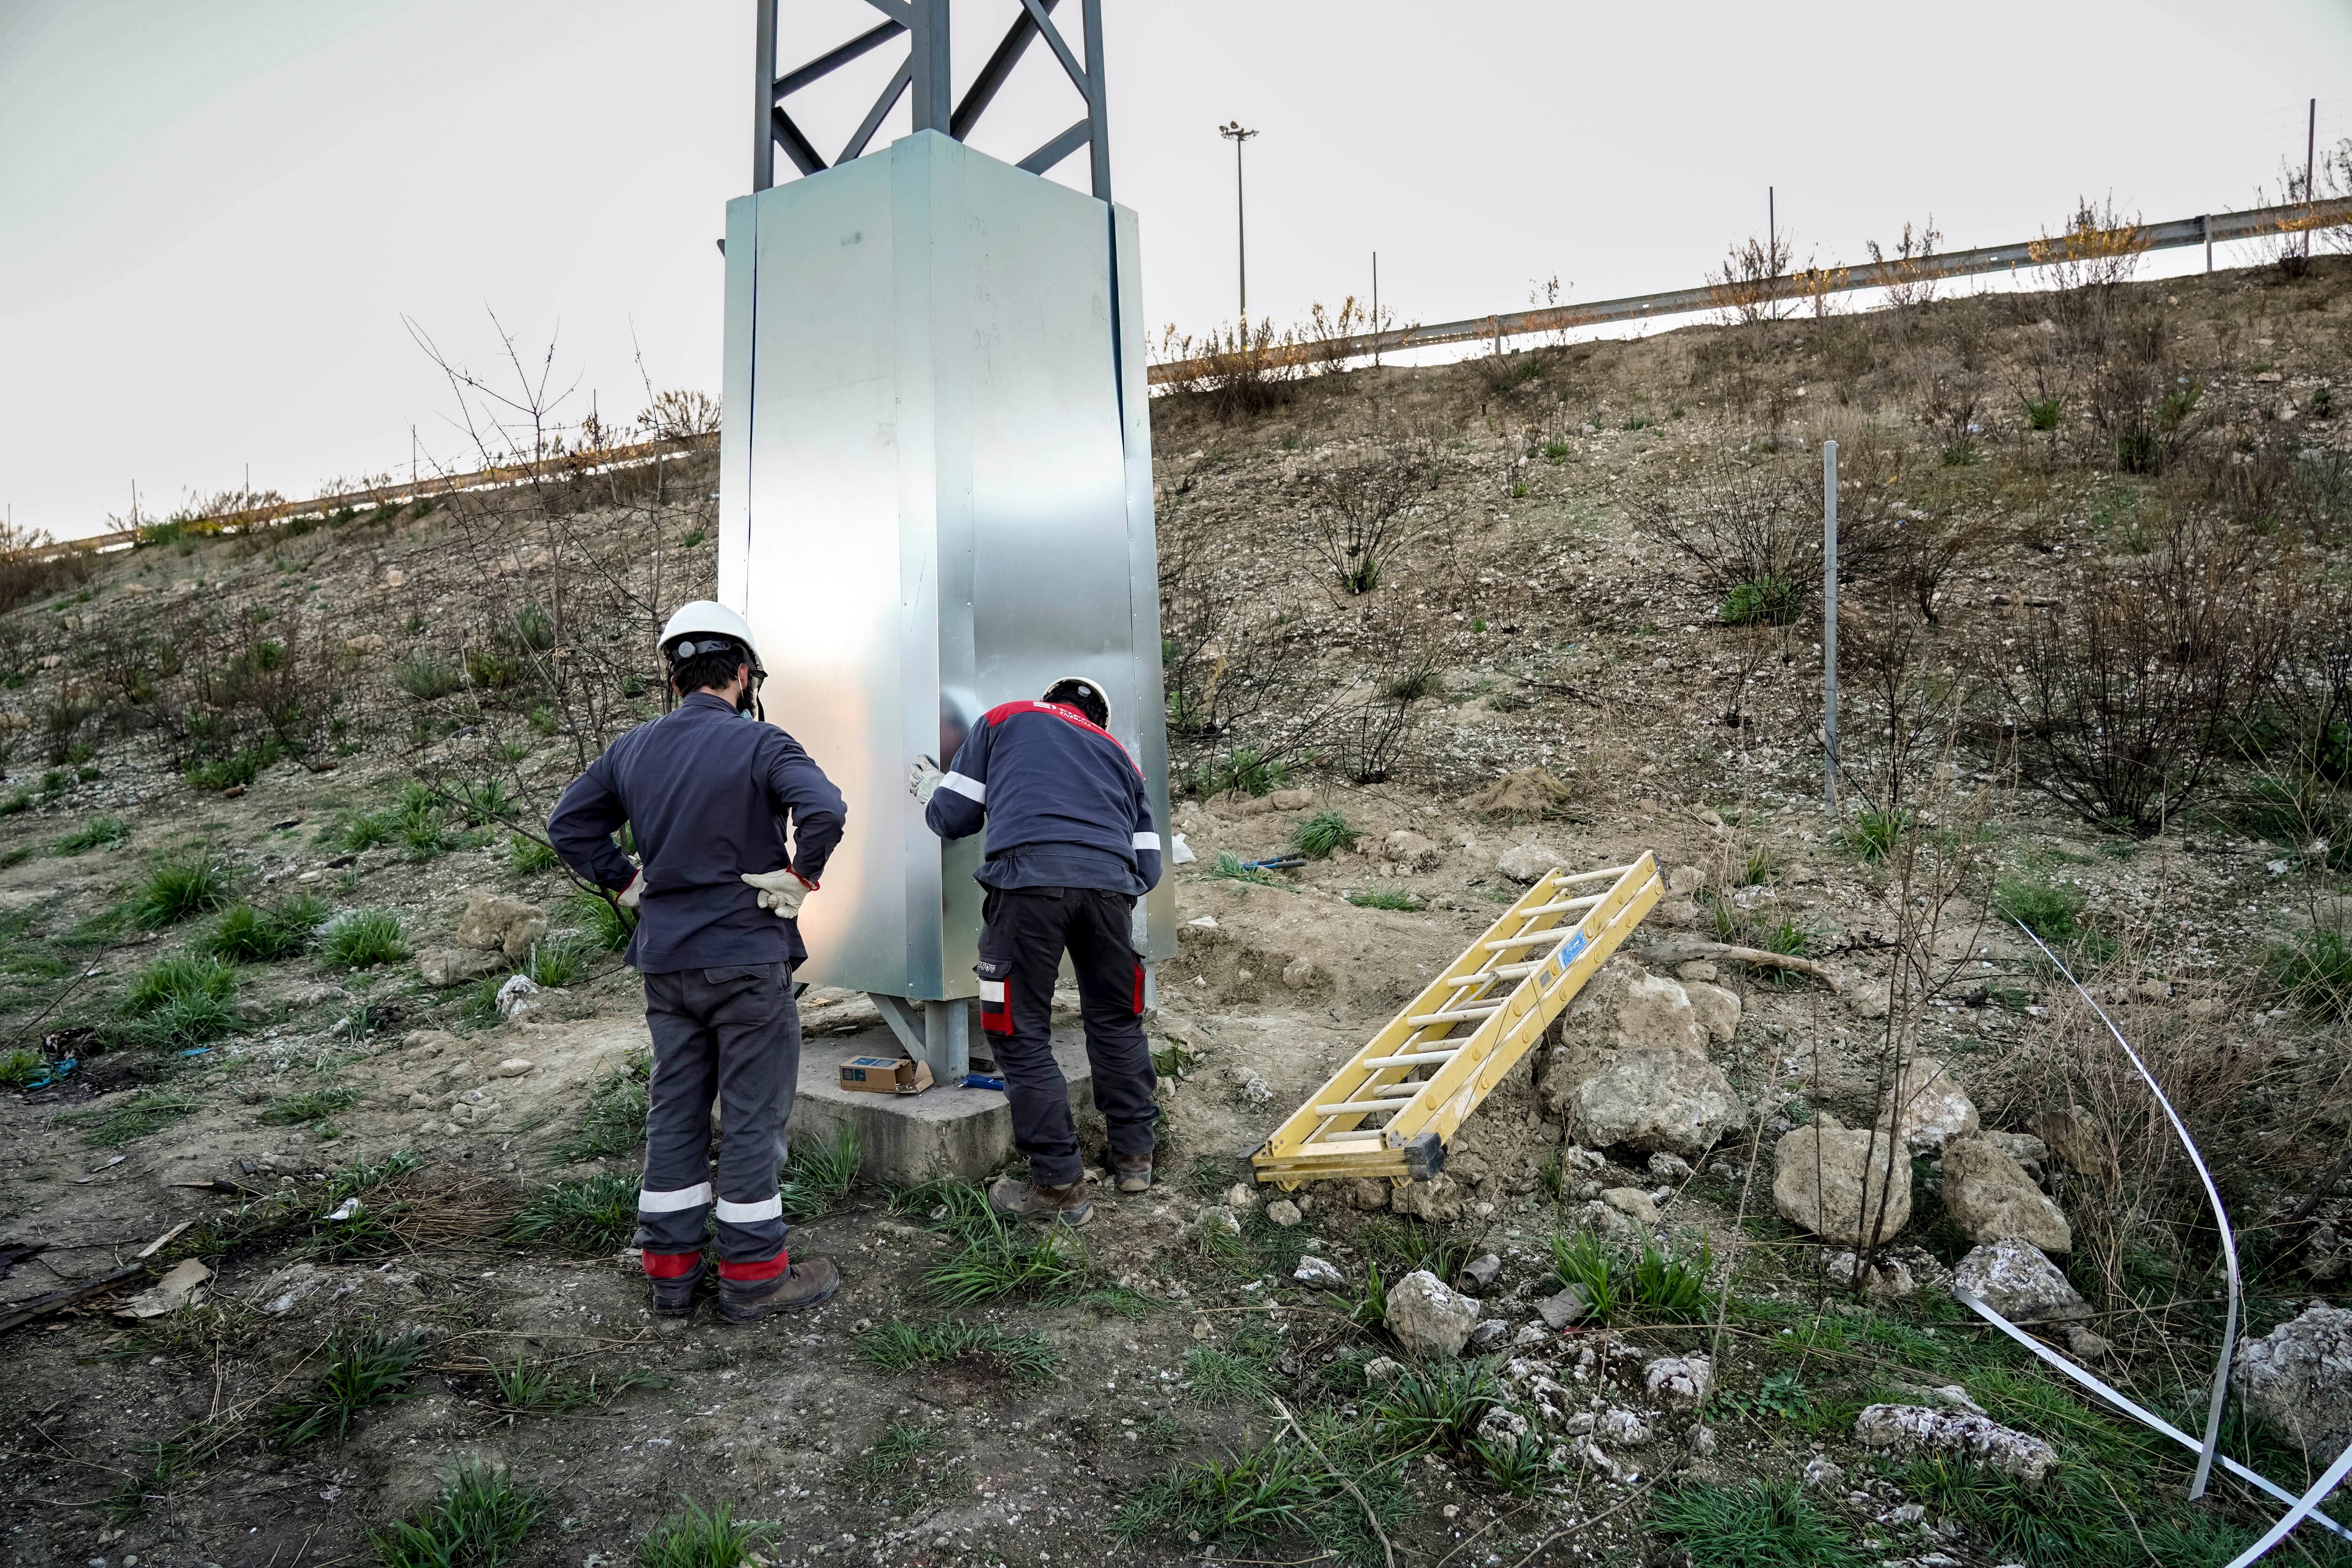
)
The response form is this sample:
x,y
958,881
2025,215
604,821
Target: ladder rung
x,y
1565,905
1530,939
1563,879
1454,1015
1348,1105
1398,1090
1421,1058
1371,1141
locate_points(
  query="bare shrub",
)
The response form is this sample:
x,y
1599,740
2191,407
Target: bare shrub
x,y
2086,265
1358,503
1748,285
1910,283
1238,371
32,564
2140,1210
2124,690
1400,659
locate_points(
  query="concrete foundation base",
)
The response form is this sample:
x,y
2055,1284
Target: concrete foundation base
x,y
943,1131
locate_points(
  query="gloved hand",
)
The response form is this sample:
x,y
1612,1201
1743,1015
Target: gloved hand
x,y
634,892
923,778
781,890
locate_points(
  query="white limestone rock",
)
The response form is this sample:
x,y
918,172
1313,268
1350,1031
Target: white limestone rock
x,y
2014,1278
1906,1429
1428,1316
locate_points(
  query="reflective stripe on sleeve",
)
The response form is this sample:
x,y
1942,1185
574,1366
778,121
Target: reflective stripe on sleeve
x,y
670,1202
751,1214
1147,841
970,789
992,990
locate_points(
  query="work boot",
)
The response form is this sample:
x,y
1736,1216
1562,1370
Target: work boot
x,y
674,1297
1134,1171
805,1284
1071,1204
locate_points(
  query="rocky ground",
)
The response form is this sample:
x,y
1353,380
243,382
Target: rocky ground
x,y
1685,1288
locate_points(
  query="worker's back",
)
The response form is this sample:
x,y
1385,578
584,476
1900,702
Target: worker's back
x,y
706,793
1064,804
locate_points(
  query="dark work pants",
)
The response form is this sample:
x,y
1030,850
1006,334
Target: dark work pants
x,y
734,1036
1021,950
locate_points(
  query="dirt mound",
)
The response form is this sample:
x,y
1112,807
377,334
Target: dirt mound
x,y
1531,792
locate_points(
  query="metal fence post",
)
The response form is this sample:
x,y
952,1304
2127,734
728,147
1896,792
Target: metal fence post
x,y
1829,627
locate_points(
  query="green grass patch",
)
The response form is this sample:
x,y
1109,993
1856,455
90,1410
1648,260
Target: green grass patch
x,y
999,1257
176,889
529,857
257,933
608,925
363,1368
1231,868
1768,601
693,1538
591,1217
556,962
540,1388
314,1108
613,1124
1322,834
98,833
2316,971
899,1347
22,1067
1874,833
818,1176
147,1112
896,1451
363,939
1399,898
479,1520
1762,1524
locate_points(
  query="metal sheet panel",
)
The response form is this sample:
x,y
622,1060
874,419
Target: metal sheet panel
x,y
943,477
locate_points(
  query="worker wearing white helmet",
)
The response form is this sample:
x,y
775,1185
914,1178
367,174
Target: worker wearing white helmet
x,y
708,793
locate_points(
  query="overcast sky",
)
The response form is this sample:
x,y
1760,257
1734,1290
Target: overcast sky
x,y
214,215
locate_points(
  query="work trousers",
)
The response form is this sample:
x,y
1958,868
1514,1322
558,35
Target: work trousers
x,y
732,1035
1021,947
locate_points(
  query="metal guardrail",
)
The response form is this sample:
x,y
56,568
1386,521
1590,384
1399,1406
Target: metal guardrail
x,y
497,477
2209,228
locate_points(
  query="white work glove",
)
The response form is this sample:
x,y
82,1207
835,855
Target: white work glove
x,y
922,779
634,892
781,890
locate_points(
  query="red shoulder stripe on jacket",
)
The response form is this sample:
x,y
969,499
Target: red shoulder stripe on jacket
x,y
997,715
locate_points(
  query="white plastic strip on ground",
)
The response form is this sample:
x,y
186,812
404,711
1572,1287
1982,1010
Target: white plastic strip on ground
x,y
2212,1443
2304,1507
2307,1507
2146,1417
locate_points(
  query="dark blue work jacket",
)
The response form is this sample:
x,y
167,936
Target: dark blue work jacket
x,y
1064,804
707,793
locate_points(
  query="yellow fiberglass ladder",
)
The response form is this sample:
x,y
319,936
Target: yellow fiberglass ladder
x,y
1429,1069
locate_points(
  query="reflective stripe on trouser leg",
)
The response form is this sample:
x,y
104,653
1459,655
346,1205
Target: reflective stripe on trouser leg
x,y
1110,1001
1022,944
758,1028
674,1199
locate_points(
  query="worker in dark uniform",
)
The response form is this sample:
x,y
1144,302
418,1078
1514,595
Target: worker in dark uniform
x,y
1071,847
708,791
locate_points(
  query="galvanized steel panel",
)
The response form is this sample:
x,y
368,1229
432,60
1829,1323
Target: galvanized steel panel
x,y
941,460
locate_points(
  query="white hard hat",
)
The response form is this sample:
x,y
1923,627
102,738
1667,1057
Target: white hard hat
x,y
1085,683
710,618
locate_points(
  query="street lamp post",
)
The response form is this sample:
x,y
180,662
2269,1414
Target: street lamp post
x,y
1233,131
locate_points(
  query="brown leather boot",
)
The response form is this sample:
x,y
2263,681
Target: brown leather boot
x,y
805,1284
1071,1204
1134,1171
